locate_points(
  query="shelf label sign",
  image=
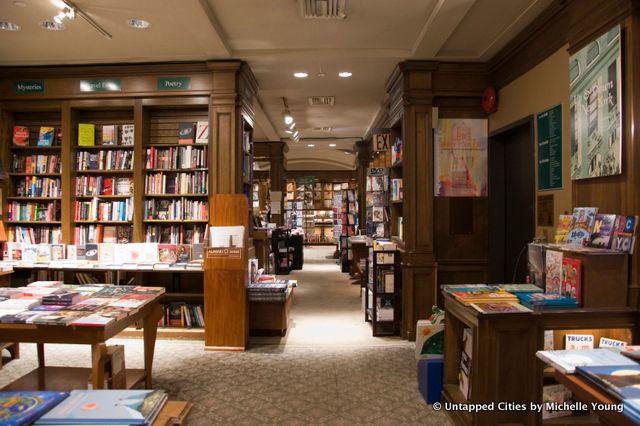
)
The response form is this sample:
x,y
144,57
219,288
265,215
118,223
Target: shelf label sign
x,y
381,140
224,253
173,83
105,85
305,180
29,86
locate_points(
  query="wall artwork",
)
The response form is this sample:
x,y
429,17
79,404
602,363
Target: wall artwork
x,y
460,158
595,103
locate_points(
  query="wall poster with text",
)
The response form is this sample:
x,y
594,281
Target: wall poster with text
x,y
595,108
460,157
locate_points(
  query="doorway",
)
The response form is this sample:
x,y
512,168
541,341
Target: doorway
x,y
511,200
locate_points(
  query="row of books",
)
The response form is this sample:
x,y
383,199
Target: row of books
x,y
96,209
292,186
180,314
82,407
46,136
397,151
397,193
42,163
33,211
35,234
32,186
52,302
111,134
176,209
183,157
91,186
105,252
177,183
99,233
377,214
599,230
104,160
175,234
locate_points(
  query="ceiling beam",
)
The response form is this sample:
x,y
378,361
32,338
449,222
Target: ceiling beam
x,y
443,20
217,28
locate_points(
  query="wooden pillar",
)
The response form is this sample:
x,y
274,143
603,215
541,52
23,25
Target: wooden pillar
x,y
276,176
364,154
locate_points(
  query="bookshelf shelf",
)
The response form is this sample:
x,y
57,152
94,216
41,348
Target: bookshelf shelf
x,y
34,222
35,148
120,222
103,172
104,147
113,197
170,145
199,169
397,201
34,174
174,195
175,220
33,198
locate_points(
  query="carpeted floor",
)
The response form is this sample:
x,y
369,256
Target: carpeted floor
x,y
327,370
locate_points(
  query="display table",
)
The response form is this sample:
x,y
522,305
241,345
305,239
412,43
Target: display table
x,y
270,315
588,393
68,378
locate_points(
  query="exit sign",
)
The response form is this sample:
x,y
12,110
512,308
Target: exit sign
x,y
382,141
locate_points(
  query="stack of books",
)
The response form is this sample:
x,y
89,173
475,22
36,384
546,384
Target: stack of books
x,y
544,301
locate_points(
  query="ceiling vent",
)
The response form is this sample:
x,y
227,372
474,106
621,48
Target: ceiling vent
x,y
321,100
322,129
324,9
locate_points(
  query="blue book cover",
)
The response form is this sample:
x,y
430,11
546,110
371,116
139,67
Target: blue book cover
x,y
106,407
622,381
22,408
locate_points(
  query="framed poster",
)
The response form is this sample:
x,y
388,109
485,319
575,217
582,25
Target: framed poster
x,y
460,157
595,102
550,148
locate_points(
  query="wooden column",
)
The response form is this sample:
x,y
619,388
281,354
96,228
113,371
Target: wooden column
x,y
276,176
364,155
67,160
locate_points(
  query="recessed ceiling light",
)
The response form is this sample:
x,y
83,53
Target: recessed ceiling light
x,y
288,131
288,119
295,134
310,145
345,74
52,26
9,26
332,145
300,74
138,23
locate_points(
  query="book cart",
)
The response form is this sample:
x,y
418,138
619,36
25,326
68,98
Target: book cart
x,y
503,364
383,292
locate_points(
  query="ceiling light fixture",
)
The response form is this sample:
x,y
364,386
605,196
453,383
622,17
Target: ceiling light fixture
x,y
300,74
139,24
20,3
292,126
345,74
296,134
70,10
332,145
289,132
310,145
288,118
9,26
51,25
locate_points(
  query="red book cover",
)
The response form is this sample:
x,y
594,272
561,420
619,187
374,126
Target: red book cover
x,y
107,186
572,278
21,135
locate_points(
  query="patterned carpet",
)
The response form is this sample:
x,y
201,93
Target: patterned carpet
x,y
327,370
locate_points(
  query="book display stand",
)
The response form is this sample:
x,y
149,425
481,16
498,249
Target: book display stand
x,y
225,279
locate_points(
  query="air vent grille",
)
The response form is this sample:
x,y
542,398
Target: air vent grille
x,y
322,129
323,9
321,100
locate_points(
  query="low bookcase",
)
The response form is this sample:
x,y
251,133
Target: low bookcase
x,y
503,365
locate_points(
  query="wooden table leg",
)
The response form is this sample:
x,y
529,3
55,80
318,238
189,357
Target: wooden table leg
x,y
150,324
98,351
40,350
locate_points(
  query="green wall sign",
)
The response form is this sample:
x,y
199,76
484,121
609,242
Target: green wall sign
x,y
29,86
174,83
305,180
106,85
550,148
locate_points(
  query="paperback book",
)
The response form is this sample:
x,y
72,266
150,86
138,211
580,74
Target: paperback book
x,y
603,227
46,135
572,278
24,407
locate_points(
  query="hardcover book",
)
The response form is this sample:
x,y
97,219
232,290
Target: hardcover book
x,y
566,361
127,134
186,133
46,135
553,272
621,381
167,253
578,341
57,252
21,135
132,407
583,218
86,134
623,234
202,132
499,307
603,227
109,134
24,407
564,226
91,251
572,278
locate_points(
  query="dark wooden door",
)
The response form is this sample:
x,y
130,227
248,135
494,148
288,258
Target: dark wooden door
x,y
511,201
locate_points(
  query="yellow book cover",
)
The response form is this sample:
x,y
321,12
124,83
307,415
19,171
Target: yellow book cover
x,y
86,134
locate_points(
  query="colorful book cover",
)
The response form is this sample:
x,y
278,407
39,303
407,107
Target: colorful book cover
x,y
21,135
553,272
564,226
86,134
623,234
603,227
499,307
167,253
24,407
622,381
186,133
57,252
91,251
43,253
572,278
578,341
583,218
127,134
109,134
46,135
605,342
107,406
202,132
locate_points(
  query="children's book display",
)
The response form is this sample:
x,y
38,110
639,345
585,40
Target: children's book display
x,y
53,302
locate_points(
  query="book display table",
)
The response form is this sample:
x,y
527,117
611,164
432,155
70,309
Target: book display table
x,y
67,378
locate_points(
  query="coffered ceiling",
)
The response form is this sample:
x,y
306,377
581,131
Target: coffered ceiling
x,y
276,40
